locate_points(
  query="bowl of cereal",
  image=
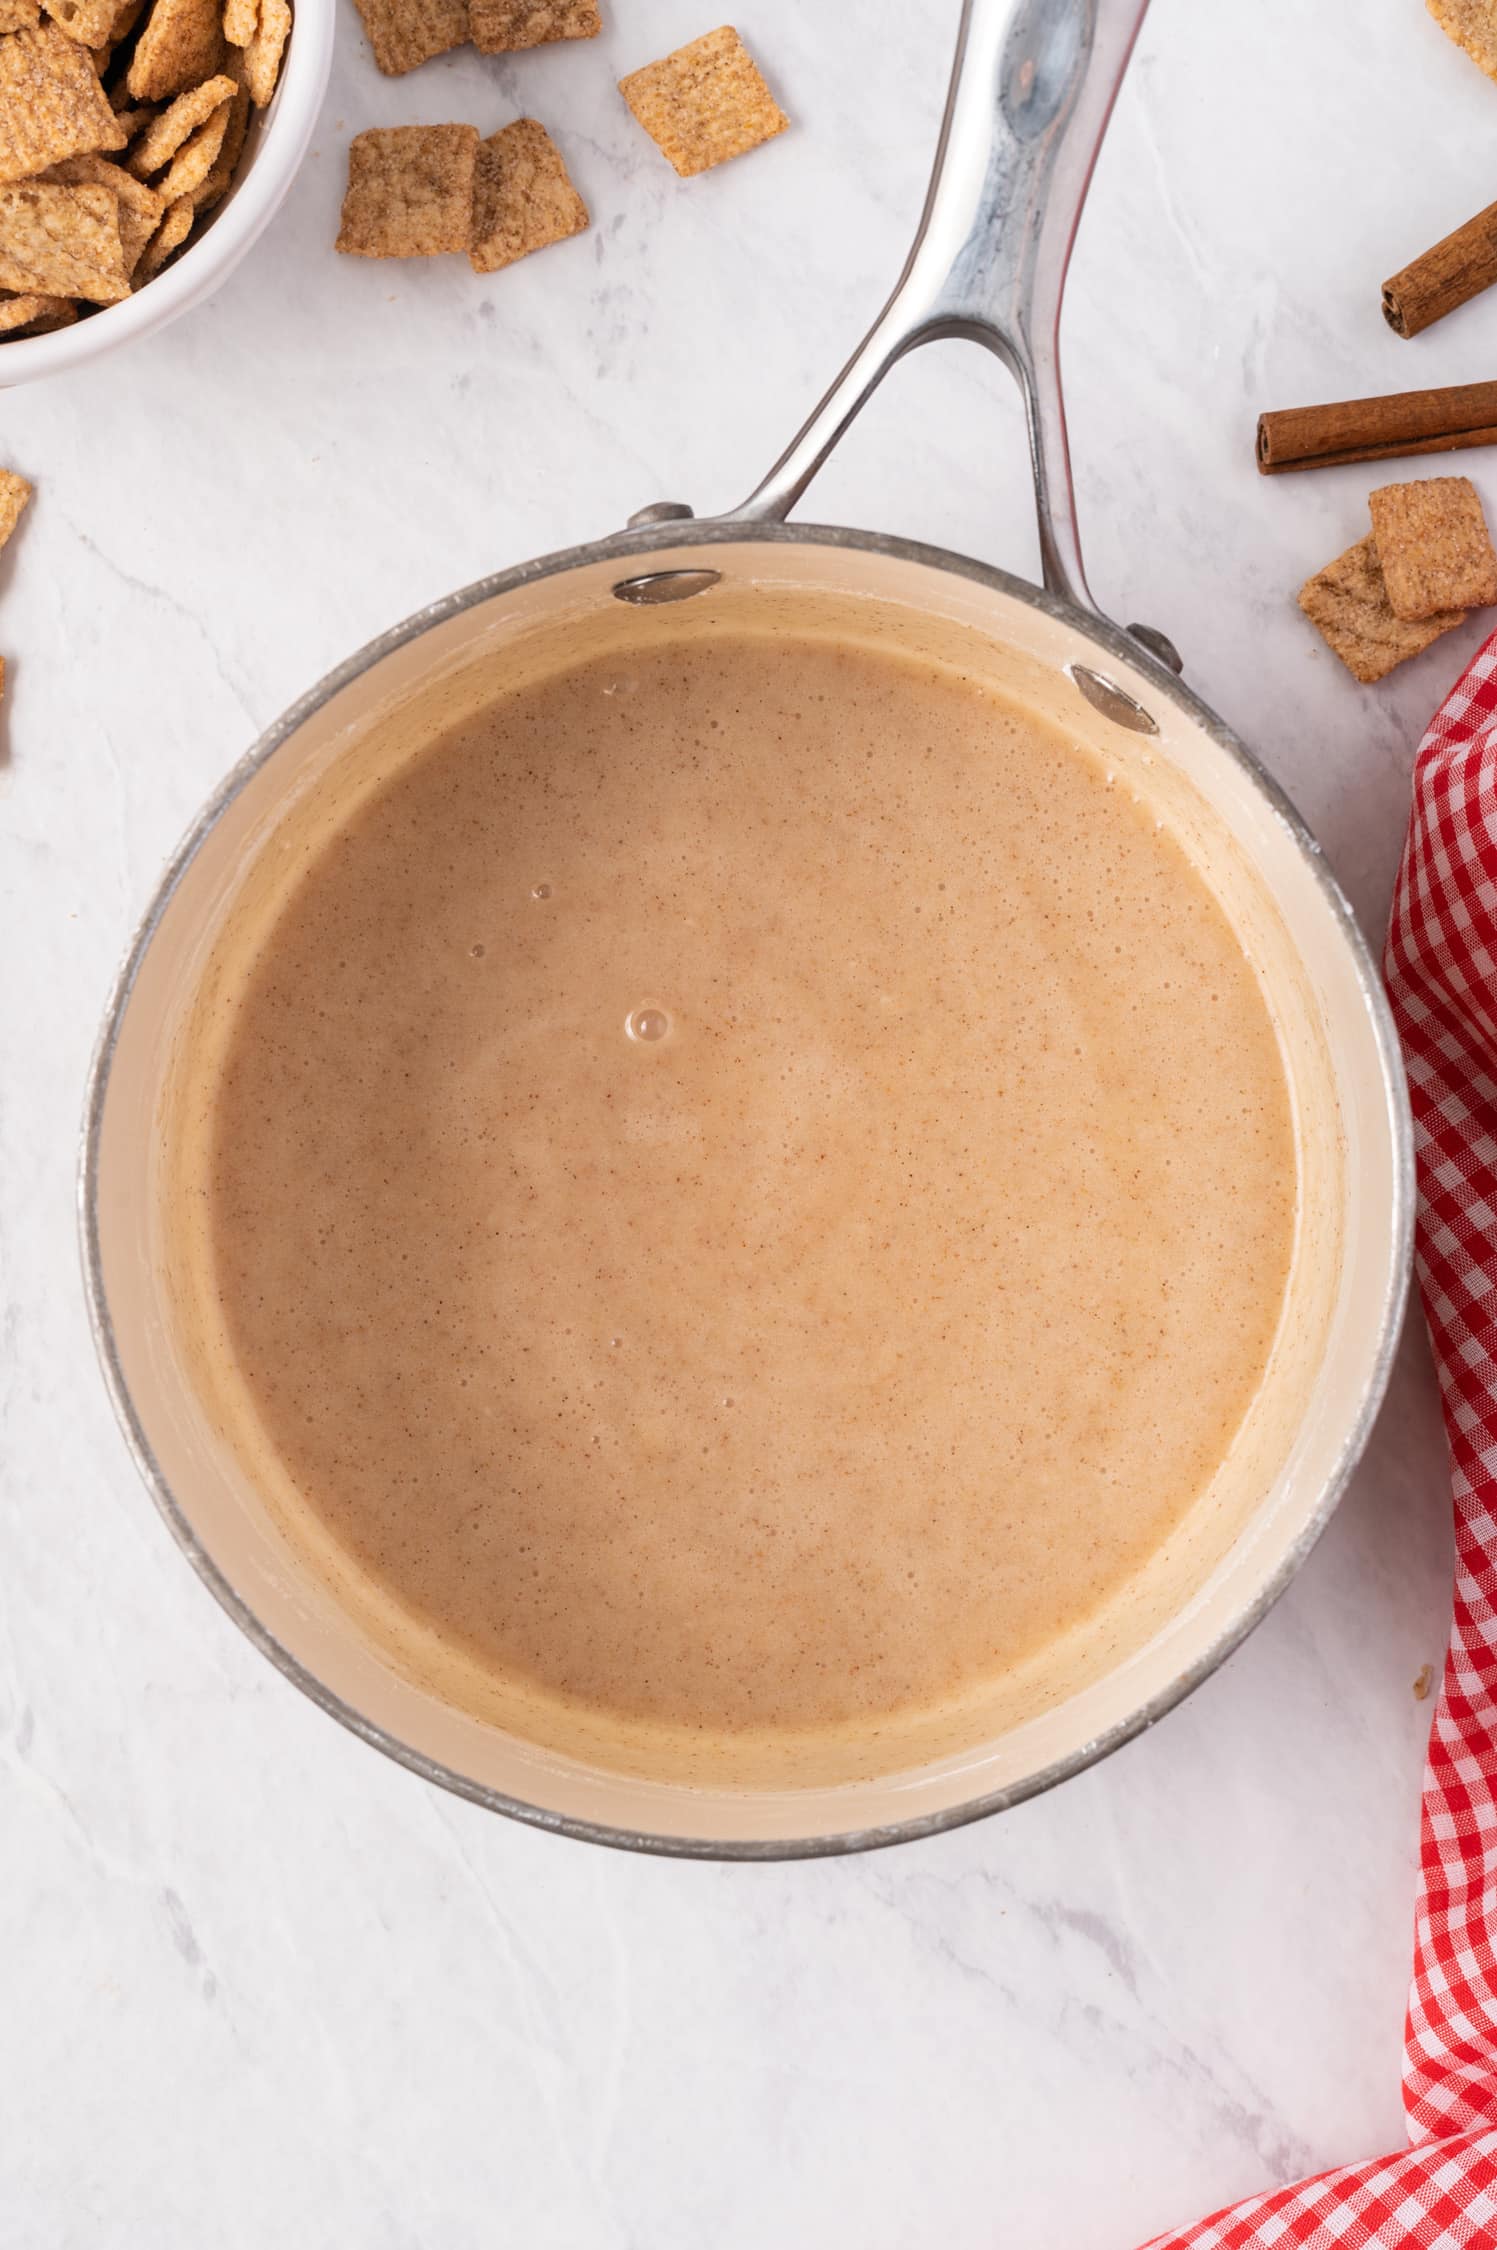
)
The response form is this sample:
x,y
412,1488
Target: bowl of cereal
x,y
144,144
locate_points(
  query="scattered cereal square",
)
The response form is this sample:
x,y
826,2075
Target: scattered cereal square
x,y
705,103
502,26
404,33
1433,546
1348,605
61,242
410,191
181,45
51,102
1472,24
523,198
14,494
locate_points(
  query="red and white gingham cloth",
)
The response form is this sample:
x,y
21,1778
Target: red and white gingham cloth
x,y
1441,967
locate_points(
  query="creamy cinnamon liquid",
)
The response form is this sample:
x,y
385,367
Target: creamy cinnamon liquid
x,y
747,1191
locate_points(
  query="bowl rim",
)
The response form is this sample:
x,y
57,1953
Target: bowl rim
x,y
630,547
257,194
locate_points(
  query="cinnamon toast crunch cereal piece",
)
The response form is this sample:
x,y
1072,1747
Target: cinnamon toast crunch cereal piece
x,y
141,212
215,186
1472,24
410,191
705,103
502,26
221,178
1433,546
213,189
523,198
238,126
240,19
181,45
30,315
127,15
195,159
51,102
14,494
176,225
133,121
90,22
262,57
20,15
1348,605
405,33
161,140
140,207
58,241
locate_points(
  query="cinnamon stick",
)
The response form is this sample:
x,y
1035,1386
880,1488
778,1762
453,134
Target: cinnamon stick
x,y
1452,273
1378,429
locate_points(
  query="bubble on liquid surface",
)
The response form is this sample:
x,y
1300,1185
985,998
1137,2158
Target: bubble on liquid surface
x,y
621,683
477,952
540,890
647,1024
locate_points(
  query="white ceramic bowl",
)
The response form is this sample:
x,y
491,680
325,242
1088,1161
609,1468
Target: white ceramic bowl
x,y
276,143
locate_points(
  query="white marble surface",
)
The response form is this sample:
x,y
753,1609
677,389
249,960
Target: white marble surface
x,y
256,1985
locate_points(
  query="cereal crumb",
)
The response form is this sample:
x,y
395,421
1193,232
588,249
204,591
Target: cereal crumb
x,y
14,494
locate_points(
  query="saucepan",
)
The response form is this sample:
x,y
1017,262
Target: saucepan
x,y
1030,94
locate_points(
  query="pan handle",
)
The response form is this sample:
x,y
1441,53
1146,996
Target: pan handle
x,y
1031,91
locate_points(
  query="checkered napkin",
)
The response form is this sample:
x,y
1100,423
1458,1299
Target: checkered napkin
x,y
1441,967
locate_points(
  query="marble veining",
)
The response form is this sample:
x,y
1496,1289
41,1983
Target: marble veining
x,y
260,1985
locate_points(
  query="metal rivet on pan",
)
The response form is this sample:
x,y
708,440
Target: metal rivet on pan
x,y
666,585
1113,702
660,511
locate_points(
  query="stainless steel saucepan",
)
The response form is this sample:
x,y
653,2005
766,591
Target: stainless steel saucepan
x,y
1030,94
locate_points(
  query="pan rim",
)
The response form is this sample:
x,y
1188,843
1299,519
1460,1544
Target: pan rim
x,y
640,547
